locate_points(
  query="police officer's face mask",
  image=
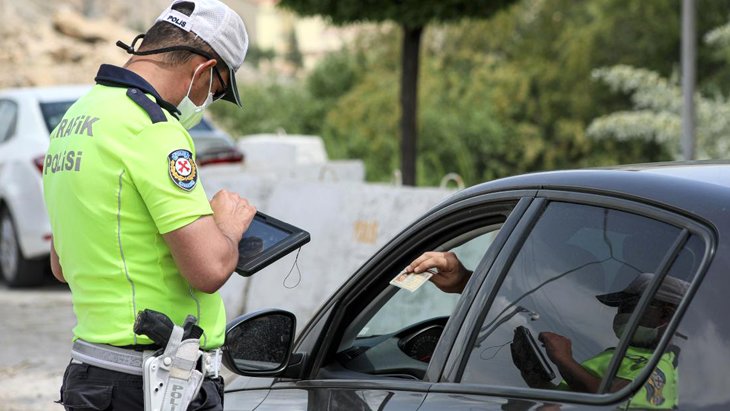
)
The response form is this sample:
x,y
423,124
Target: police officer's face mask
x,y
190,114
643,336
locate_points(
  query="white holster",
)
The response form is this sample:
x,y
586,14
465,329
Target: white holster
x,y
171,380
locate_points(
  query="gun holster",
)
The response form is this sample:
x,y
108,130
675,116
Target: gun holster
x,y
171,379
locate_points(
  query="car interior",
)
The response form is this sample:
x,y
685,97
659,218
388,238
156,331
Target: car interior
x,y
396,332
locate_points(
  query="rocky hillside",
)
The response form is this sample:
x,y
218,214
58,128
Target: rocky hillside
x,y
63,42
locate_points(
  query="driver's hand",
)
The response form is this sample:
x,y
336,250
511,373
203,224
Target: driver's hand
x,y
558,348
452,276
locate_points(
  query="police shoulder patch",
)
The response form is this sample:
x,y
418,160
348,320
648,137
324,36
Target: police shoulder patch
x,y
182,169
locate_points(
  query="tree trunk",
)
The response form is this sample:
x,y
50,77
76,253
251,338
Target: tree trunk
x,y
408,102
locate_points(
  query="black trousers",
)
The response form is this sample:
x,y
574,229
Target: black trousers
x,y
86,387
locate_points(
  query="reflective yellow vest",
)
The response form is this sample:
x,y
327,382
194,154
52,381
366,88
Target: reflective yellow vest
x,y
114,182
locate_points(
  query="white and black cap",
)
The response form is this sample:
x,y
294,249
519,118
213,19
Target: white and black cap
x,y
220,27
670,291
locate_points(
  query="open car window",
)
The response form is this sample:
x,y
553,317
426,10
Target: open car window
x,y
571,294
405,308
393,332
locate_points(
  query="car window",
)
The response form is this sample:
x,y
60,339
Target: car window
x,y
578,269
8,118
53,112
406,308
397,332
701,344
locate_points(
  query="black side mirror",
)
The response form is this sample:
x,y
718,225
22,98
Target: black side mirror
x,y
260,343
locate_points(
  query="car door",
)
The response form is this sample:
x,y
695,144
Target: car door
x,y
567,250
373,346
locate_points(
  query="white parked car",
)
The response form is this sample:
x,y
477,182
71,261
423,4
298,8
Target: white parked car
x,y
27,115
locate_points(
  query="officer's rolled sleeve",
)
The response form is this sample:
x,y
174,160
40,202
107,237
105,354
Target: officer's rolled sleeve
x,y
170,205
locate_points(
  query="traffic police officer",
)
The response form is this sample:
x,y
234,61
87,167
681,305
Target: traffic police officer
x,y
660,390
132,226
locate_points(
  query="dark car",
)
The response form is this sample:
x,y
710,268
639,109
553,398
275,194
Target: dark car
x,y
546,250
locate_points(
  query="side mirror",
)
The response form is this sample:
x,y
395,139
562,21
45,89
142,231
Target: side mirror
x,y
259,344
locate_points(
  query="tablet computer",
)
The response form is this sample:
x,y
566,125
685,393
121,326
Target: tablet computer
x,y
265,241
533,360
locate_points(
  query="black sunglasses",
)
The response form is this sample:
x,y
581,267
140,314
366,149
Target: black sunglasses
x,y
131,50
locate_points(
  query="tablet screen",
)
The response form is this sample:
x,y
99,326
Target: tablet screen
x,y
258,238
265,241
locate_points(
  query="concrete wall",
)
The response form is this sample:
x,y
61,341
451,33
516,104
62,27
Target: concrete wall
x,y
348,221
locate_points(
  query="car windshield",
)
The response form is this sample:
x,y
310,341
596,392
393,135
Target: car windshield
x,y
53,112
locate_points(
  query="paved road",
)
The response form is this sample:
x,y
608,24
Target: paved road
x,y
35,337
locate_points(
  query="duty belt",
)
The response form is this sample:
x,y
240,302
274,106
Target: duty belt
x,y
130,361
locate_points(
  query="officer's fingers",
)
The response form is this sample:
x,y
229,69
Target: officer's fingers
x,y
223,193
222,201
251,211
243,202
244,208
247,216
218,196
545,337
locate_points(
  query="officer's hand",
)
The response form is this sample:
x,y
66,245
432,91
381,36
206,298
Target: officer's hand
x,y
558,348
232,214
451,277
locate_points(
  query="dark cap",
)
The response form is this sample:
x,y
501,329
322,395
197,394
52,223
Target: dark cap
x,y
670,291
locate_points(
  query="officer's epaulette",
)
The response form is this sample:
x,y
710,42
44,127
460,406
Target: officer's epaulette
x,y
152,109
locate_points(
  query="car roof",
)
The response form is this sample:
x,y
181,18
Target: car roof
x,y
713,172
697,187
48,93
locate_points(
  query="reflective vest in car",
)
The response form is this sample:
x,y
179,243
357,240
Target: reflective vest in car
x,y
660,390
120,173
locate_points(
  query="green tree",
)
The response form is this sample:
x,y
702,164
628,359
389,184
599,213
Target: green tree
x,y
657,113
270,108
552,47
412,16
510,95
255,55
293,54
657,102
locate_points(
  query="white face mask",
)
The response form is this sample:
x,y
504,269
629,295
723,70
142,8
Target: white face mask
x,y
643,336
190,114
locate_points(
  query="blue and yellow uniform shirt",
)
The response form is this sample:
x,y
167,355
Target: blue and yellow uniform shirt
x,y
120,173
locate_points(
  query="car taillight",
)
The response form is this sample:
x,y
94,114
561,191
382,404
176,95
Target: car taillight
x,y
38,163
220,158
